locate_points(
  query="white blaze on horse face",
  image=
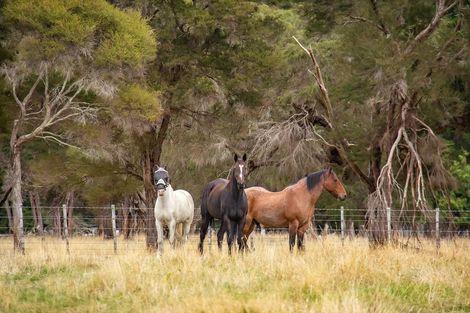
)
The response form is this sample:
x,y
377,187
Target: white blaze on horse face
x,y
241,171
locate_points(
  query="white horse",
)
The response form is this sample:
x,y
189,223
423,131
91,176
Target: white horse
x,y
172,207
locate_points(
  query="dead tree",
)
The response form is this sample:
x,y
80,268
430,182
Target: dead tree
x,y
42,108
412,151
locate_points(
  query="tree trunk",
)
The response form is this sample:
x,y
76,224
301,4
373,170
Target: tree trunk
x,y
36,210
17,199
105,224
70,202
56,216
350,229
150,198
151,157
125,223
126,218
10,217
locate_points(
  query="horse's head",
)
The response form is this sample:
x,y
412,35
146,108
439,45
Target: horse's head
x,y
161,179
333,185
239,170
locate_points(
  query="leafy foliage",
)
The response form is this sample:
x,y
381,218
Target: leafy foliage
x,y
138,101
459,198
51,28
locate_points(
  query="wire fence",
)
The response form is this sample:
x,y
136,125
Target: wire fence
x,y
117,230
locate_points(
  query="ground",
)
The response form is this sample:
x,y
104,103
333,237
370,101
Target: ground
x,y
327,277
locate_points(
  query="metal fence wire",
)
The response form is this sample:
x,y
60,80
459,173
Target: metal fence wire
x,y
125,227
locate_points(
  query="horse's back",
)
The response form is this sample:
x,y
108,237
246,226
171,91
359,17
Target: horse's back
x,y
266,207
251,194
217,184
185,203
254,190
211,196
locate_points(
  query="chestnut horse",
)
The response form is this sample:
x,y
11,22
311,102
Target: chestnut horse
x,y
225,199
292,207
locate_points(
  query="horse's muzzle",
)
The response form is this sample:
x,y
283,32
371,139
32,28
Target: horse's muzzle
x,y
342,197
241,186
161,187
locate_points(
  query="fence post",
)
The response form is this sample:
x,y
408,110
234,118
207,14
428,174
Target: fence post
x,y
66,229
438,235
389,224
113,217
342,224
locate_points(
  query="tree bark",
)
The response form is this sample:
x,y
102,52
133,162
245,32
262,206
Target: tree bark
x,y
36,210
57,224
126,214
150,198
105,224
16,197
70,202
125,223
10,216
350,229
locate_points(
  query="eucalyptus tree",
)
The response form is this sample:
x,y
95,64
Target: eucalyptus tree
x,y
70,55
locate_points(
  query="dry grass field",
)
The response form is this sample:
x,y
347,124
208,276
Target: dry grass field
x,y
327,277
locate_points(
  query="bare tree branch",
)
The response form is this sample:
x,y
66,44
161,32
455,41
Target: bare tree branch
x,y
319,79
338,142
368,21
381,24
441,9
57,140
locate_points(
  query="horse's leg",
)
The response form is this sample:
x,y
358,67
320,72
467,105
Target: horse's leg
x,y
248,227
179,232
292,232
231,237
203,232
300,236
159,227
186,229
240,236
220,234
171,230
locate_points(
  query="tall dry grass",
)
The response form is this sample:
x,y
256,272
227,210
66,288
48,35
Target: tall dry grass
x,y
327,277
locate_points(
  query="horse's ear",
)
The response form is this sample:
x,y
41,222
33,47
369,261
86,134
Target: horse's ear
x,y
235,157
244,157
329,170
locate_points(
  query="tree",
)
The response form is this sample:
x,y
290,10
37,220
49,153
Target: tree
x,y
211,57
66,53
384,88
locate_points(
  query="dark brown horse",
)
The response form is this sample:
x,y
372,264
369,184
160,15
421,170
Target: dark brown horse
x,y
293,207
226,200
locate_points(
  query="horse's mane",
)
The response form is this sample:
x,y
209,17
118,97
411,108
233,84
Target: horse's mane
x,y
314,179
